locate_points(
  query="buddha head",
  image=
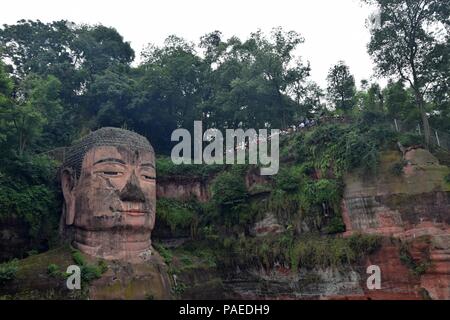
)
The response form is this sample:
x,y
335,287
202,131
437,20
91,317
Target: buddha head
x,y
109,188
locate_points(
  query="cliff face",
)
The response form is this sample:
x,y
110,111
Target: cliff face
x,y
183,189
343,283
407,202
414,207
413,203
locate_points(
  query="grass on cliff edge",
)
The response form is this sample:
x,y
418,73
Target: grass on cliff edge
x,y
43,275
306,251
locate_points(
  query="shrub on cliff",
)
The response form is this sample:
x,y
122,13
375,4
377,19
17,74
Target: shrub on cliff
x,y
8,271
447,178
338,149
89,272
228,188
286,180
312,252
335,225
175,214
316,193
410,139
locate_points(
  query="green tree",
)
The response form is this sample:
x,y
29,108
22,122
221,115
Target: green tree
x,y
405,43
6,90
309,99
43,49
255,83
75,55
98,47
108,100
370,98
169,90
440,89
341,87
36,104
400,102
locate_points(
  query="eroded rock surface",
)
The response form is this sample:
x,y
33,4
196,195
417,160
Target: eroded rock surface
x,y
412,206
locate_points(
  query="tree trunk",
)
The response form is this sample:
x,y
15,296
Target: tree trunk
x,y
426,125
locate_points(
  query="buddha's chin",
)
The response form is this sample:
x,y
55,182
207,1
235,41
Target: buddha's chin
x,y
124,244
137,221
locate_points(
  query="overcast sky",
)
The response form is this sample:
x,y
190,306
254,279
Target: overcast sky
x,y
333,29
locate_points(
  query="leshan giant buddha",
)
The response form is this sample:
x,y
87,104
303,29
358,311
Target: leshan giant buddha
x,y
109,189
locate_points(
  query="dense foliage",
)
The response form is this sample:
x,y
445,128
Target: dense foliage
x,y
29,193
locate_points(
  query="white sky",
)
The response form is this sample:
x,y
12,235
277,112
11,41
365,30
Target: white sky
x,y
333,29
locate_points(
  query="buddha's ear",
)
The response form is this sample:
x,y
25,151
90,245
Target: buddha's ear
x,y
68,185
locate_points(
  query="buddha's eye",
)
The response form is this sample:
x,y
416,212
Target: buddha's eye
x,y
111,173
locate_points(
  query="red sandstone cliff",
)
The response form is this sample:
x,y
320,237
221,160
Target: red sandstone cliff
x,y
414,208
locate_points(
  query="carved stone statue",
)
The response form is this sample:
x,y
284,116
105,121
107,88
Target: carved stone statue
x,y
109,188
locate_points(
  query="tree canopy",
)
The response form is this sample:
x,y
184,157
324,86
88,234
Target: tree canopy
x,y
410,42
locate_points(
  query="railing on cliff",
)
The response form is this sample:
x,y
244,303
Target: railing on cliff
x,y
438,139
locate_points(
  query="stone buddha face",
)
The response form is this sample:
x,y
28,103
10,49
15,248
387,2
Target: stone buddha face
x,y
109,190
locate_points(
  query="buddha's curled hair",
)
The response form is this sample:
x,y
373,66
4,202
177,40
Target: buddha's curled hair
x,y
106,136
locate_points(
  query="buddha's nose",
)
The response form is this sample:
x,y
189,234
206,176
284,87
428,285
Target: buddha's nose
x,y
132,191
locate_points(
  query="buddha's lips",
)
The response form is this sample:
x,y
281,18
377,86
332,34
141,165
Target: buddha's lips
x,y
135,213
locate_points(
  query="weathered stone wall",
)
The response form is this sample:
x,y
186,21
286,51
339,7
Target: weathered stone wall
x,y
183,188
417,200
408,206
